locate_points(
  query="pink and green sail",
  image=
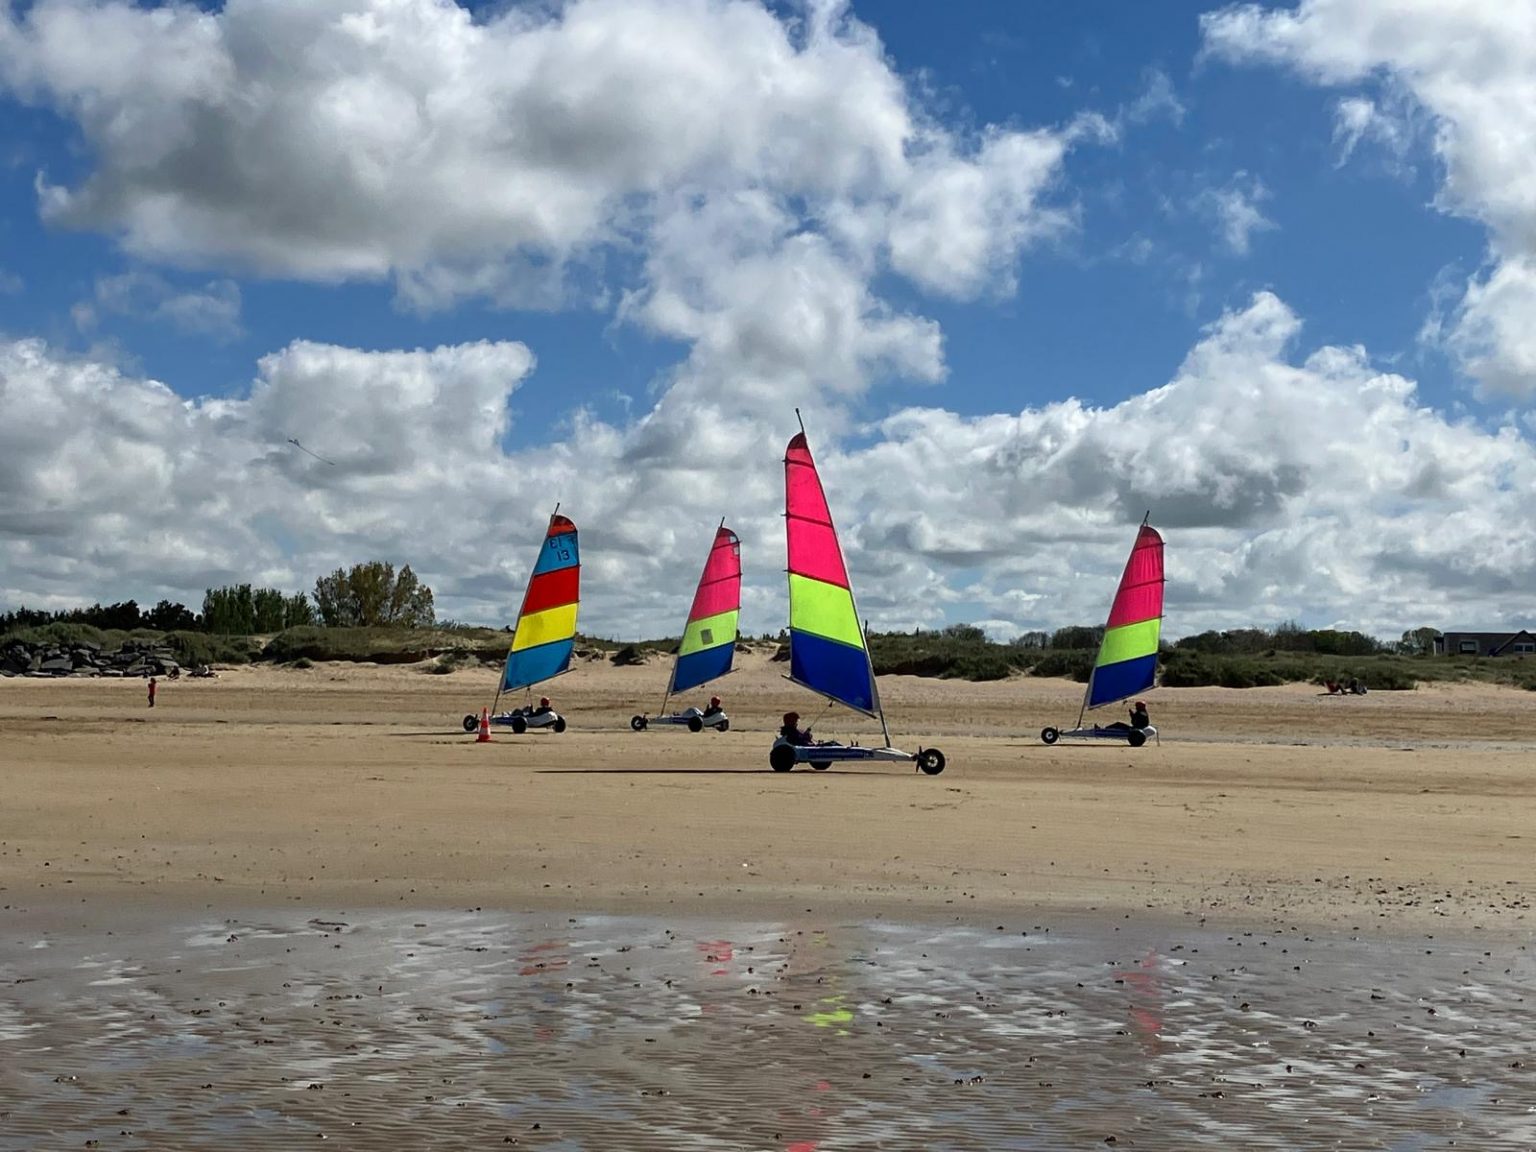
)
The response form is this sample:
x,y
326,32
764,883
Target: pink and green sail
x,y
1127,662
709,637
827,651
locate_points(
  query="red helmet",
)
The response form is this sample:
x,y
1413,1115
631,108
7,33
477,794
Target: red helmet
x,y
543,701
714,701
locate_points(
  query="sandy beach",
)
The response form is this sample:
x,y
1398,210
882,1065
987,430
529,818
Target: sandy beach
x,y
355,784
294,905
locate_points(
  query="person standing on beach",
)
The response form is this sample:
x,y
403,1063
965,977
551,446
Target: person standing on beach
x,y
151,691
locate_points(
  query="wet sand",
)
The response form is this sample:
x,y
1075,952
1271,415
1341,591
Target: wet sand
x,y
294,905
457,1030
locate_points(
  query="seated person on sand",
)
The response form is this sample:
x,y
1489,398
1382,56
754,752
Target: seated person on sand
x,y
543,709
792,732
1139,719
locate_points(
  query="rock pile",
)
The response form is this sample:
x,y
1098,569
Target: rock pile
x,y
85,658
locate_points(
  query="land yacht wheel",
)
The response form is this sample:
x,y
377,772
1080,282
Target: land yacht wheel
x,y
695,724
471,722
519,725
781,758
637,723
559,725
930,761
1135,737
1049,735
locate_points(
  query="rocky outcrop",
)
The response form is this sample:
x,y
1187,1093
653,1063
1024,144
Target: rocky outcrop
x,y
86,658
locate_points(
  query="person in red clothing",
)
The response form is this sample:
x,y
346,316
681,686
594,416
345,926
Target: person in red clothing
x,y
151,691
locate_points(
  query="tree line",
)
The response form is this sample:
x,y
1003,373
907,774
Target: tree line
x,y
365,595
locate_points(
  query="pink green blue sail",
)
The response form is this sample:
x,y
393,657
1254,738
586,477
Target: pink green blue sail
x,y
1127,662
545,636
709,637
827,648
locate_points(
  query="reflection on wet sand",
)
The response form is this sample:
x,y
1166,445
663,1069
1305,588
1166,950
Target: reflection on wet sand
x,y
458,1030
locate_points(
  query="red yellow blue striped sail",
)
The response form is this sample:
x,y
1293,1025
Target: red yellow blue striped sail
x,y
827,652
1127,662
545,635
709,638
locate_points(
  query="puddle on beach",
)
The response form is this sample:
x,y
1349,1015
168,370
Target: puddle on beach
x,y
433,1030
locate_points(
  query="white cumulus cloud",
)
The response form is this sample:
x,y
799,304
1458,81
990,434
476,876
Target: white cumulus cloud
x,y
1288,483
1470,65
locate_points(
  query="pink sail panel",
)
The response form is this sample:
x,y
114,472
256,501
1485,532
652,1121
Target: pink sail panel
x,y
1140,596
720,586
813,548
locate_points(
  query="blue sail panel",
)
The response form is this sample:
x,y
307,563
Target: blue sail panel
x,y
701,667
840,671
527,666
1113,682
559,551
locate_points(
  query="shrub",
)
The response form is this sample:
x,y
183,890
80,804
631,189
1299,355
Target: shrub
x,y
984,665
1076,664
194,648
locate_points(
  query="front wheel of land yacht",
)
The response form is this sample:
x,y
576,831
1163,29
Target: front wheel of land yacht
x,y
519,725
637,723
931,761
695,724
471,723
1135,737
1049,735
781,758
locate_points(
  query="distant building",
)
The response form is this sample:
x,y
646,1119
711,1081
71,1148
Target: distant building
x,y
1469,643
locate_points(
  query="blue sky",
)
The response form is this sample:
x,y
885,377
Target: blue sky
x,y
1356,249
1207,192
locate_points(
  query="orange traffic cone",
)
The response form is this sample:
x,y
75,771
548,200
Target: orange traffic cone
x,y
485,727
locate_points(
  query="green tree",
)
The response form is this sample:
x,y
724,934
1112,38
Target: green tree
x,y
298,611
230,610
168,617
373,594
267,610
1418,642
1077,636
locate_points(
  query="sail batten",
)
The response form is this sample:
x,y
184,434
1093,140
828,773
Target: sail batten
x,y
828,651
709,636
1127,659
545,636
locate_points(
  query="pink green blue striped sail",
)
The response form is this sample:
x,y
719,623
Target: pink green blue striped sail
x,y
827,652
1127,662
545,636
709,638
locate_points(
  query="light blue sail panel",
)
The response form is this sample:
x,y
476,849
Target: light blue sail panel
x,y
840,671
1117,681
530,665
701,667
558,552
